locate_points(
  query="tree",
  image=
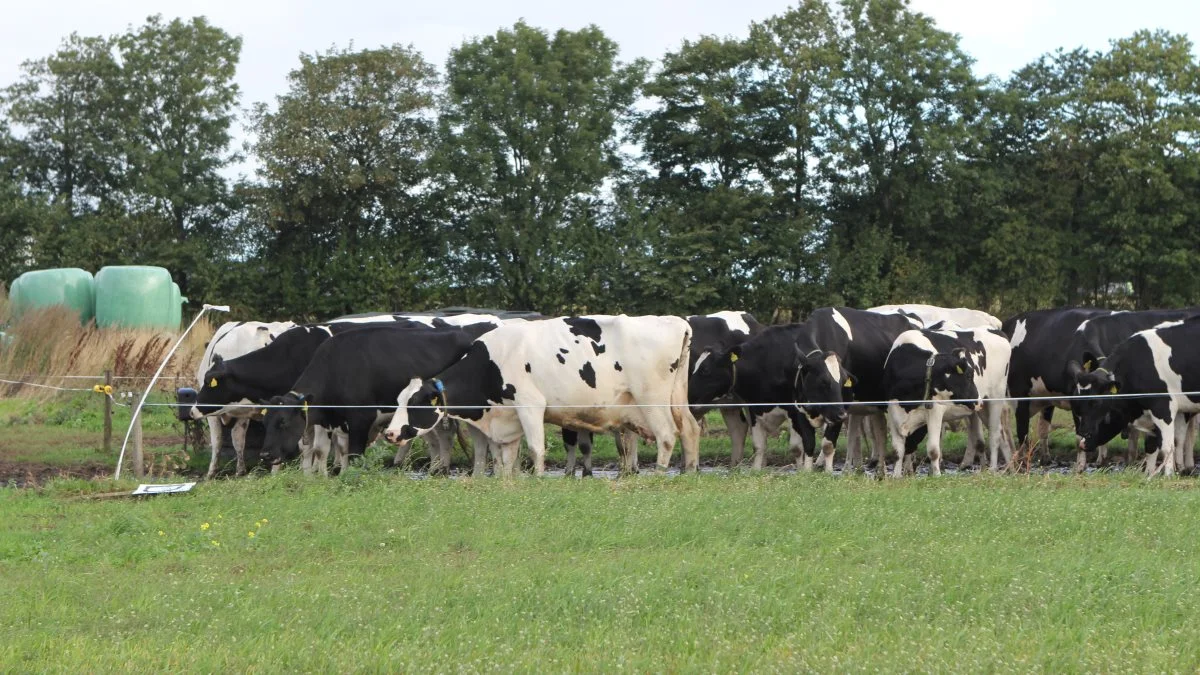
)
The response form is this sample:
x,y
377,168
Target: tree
x,y
528,138
350,223
902,106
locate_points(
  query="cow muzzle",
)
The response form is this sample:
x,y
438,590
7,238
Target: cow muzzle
x,y
195,413
406,433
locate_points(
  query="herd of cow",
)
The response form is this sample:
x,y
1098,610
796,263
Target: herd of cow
x,y
900,369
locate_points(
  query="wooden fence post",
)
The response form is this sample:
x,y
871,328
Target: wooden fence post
x,y
107,414
139,463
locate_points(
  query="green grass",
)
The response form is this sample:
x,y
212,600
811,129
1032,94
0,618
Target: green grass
x,y
745,573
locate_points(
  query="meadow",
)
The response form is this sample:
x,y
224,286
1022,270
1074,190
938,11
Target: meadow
x,y
379,572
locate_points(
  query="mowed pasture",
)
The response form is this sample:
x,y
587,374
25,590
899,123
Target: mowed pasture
x,y
379,572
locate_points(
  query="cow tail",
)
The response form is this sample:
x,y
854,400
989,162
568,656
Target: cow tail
x,y
679,391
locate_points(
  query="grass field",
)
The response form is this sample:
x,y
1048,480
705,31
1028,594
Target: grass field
x,y
378,572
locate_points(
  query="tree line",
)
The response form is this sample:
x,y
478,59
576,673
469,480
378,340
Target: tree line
x,y
837,154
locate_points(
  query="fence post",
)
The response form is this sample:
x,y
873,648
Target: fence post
x,y
139,464
107,414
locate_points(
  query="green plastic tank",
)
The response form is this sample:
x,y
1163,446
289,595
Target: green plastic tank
x,y
71,287
137,296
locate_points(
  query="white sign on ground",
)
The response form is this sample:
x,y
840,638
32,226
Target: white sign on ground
x,y
146,489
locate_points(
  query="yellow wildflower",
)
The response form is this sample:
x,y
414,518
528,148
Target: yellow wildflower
x,y
215,542
264,520
250,534
161,534
204,527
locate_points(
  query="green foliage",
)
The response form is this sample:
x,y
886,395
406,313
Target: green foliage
x,y
345,220
835,153
527,141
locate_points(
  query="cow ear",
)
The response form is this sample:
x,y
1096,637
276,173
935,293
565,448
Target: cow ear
x,y
217,360
1074,370
735,353
849,381
960,361
1090,361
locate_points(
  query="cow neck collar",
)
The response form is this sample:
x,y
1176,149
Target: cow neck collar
x,y
303,409
800,367
928,381
441,390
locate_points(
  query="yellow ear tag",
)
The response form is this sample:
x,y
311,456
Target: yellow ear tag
x,y
847,383
212,382
1113,389
263,412
958,369
434,400
1087,365
732,358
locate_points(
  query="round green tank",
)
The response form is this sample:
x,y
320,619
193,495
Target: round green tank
x,y
137,296
70,287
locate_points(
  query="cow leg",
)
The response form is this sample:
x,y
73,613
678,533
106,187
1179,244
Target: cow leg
x,y
1189,444
910,448
973,438
570,439
995,435
896,417
1044,429
340,443
585,453
854,440
1023,415
322,439
735,422
532,417
401,456
214,442
479,442
933,446
1166,432
240,428
758,438
627,448
829,445
879,429
507,459
689,439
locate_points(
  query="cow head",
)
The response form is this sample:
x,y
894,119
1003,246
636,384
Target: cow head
x,y
952,377
285,426
824,384
218,389
1098,419
713,374
413,416
1088,378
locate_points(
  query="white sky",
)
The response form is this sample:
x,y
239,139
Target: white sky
x,y
1000,35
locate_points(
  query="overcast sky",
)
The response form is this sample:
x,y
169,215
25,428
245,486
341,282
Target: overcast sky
x,y
1000,35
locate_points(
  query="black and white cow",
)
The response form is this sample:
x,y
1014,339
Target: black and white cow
x,y
932,314
947,362
1040,341
1160,360
1095,338
231,340
720,331
567,371
361,369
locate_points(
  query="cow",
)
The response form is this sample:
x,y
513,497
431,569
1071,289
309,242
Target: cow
x,y
1040,340
931,314
717,330
1160,360
362,371
722,330
1094,339
231,340
930,364
594,373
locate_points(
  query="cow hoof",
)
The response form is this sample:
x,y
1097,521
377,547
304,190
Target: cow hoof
x,y
586,473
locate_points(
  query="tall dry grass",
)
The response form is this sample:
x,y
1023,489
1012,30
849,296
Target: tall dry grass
x,y
45,346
